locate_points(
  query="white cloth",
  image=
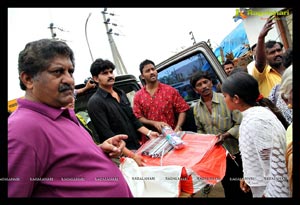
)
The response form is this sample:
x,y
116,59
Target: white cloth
x,y
262,144
276,98
250,67
151,181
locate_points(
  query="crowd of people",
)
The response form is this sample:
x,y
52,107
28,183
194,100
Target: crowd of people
x,y
54,154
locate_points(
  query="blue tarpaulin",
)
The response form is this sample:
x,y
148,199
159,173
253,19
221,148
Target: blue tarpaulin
x,y
236,43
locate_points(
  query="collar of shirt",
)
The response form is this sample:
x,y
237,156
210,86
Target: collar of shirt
x,y
46,110
105,94
215,99
121,93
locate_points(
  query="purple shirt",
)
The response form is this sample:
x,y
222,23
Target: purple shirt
x,y
51,155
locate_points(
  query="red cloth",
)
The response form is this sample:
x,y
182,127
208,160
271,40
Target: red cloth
x,y
199,154
186,182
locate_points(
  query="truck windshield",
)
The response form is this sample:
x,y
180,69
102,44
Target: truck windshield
x,y
178,75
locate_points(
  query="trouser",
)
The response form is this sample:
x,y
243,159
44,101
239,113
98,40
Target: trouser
x,y
231,180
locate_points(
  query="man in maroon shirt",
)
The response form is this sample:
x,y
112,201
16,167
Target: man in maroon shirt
x,y
49,153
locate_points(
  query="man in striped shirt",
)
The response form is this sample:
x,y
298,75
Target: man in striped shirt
x,y
213,117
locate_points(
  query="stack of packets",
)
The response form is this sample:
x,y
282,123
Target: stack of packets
x,y
157,147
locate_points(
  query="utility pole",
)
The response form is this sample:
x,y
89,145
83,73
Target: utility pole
x,y
193,38
120,67
53,33
51,27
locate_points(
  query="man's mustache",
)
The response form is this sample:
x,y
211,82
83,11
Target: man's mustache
x,y
111,78
65,87
205,89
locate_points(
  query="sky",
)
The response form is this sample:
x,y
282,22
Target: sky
x,y
142,33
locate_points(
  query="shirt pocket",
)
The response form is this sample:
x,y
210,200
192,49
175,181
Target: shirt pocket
x,y
223,122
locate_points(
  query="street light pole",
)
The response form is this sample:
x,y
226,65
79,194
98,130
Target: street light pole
x,y
87,37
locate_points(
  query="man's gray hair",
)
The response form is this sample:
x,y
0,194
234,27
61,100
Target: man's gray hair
x,y
287,82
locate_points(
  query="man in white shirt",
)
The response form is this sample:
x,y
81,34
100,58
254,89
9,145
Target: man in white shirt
x,y
251,65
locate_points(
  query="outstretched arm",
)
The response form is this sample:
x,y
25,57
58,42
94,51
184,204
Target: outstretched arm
x,y
261,59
